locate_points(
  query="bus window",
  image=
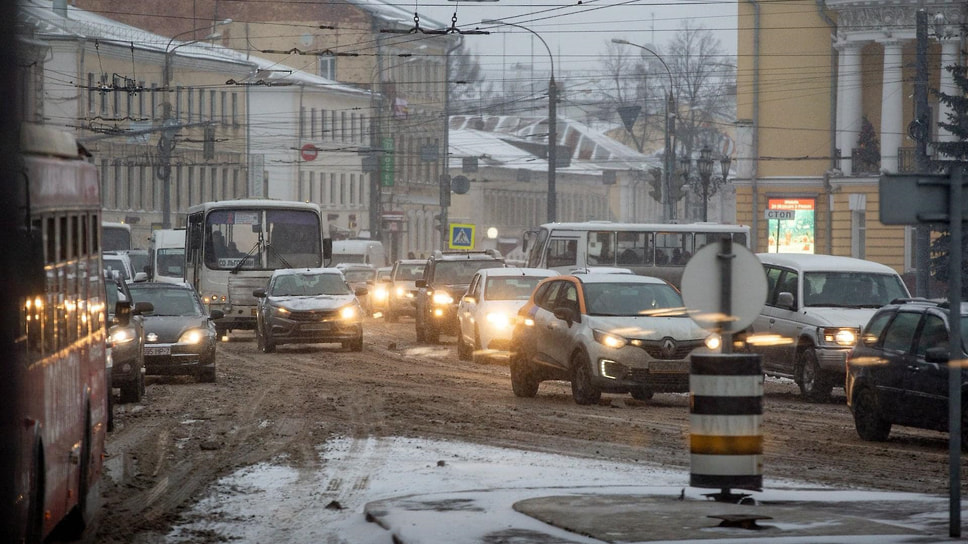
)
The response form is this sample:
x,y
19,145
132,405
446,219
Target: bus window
x,y
673,248
562,252
600,246
634,248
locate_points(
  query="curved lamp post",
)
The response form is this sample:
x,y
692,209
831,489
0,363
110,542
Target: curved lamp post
x,y
552,122
669,204
704,168
167,142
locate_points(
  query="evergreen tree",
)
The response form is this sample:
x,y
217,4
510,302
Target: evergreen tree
x,y
955,151
868,155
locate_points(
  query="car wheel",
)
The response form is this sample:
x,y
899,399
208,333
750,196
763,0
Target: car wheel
x,y
583,390
867,418
431,334
642,393
132,392
813,384
524,383
354,345
464,351
264,341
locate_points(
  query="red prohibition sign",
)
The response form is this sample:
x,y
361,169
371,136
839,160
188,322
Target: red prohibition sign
x,y
308,152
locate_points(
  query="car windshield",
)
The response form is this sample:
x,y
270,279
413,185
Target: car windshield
x,y
510,287
303,285
633,299
359,275
116,265
139,261
461,272
168,301
410,272
851,289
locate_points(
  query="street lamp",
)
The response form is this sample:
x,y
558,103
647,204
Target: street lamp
x,y
167,141
704,168
552,122
669,204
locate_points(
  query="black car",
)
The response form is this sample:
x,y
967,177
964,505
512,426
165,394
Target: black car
x,y
309,306
126,338
446,277
898,372
180,334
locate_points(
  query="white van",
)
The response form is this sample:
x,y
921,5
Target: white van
x,y
167,253
358,252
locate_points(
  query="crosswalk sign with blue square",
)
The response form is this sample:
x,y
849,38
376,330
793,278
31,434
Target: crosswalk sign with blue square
x,y
461,236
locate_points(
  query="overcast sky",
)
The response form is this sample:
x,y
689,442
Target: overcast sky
x,y
577,31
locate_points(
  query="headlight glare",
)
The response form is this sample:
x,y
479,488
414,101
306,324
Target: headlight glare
x,y
348,312
499,320
714,342
840,337
191,336
441,297
609,340
122,336
280,311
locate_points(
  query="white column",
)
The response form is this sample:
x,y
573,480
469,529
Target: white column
x,y
892,95
848,101
949,56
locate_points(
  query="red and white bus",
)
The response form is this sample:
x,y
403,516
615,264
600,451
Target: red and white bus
x,y
54,424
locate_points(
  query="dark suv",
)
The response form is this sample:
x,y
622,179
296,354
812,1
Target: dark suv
x,y
898,372
445,280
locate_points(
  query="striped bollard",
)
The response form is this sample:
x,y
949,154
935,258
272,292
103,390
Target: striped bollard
x,y
725,410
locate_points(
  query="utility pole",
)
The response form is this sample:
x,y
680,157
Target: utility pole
x,y
919,130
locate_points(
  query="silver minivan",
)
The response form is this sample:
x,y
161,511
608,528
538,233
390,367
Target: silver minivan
x,y
815,308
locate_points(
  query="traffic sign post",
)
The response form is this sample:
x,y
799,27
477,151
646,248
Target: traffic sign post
x,y
724,288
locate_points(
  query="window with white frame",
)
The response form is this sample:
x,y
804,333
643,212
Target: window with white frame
x,y
327,67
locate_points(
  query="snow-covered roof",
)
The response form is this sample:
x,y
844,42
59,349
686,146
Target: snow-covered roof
x,y
79,23
396,14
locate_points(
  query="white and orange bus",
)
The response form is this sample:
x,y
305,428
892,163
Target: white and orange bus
x,y
55,410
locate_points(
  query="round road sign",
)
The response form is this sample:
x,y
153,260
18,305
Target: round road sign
x,y
702,285
309,152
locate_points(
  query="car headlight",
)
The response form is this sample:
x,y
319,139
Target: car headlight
x,y
442,297
841,337
608,339
191,336
498,320
121,336
380,294
279,311
401,292
713,342
348,312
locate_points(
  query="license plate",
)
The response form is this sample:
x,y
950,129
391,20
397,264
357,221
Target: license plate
x,y
315,327
157,350
669,366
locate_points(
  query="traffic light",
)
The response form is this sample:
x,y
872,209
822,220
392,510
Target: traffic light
x,y
655,182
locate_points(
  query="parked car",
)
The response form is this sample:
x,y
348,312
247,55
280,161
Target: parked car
x,y
488,311
403,288
446,278
360,276
898,373
126,338
180,335
308,306
815,308
606,333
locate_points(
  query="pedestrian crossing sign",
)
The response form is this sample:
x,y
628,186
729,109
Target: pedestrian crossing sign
x,y
461,236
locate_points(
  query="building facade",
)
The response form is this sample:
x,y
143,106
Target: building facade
x,y
826,104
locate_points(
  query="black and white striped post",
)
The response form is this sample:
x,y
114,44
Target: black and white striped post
x,y
724,289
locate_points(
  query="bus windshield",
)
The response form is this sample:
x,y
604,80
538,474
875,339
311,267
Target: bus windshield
x,y
262,239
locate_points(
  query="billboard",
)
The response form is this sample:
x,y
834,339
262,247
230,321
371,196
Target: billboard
x,y
791,224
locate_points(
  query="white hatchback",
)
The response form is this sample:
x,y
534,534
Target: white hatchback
x,y
487,311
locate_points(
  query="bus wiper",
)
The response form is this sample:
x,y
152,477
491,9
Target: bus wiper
x,y
279,255
238,265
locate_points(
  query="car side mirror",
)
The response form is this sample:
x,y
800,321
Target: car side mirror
x,y
420,284
142,308
566,314
259,293
936,355
122,312
139,277
785,300
216,314
362,291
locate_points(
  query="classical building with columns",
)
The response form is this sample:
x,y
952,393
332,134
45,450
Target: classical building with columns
x,y
825,106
